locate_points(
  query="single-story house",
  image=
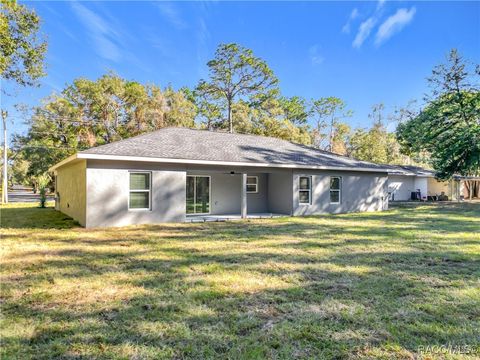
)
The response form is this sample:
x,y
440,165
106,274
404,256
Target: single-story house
x,y
180,174
408,182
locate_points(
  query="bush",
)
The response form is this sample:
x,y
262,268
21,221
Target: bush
x,y
43,181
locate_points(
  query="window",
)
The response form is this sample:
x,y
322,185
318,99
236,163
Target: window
x,y
335,189
305,190
252,184
140,187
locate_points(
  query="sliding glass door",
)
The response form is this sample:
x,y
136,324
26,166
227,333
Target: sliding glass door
x,y
198,194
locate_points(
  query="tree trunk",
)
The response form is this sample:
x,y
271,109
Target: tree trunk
x,y
330,146
230,120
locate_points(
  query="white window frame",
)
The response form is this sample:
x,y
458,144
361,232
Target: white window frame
x,y
256,185
149,208
309,190
339,190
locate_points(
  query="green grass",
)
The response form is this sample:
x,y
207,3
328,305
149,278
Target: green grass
x,y
370,285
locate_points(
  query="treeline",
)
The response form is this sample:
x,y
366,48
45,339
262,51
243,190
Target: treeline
x,y
241,95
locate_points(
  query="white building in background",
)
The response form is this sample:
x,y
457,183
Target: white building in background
x,y
415,183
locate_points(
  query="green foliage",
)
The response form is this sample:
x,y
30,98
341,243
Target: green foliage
x,y
268,119
448,128
327,112
235,73
376,144
18,171
43,181
89,113
22,51
341,138
295,109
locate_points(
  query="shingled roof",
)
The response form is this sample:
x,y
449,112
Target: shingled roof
x,y
409,170
189,145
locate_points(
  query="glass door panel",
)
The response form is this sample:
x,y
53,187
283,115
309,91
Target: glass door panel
x,y
198,194
202,191
190,195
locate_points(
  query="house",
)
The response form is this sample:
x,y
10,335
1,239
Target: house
x,y
179,174
405,181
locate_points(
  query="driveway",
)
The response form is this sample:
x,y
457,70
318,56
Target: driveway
x,y
26,195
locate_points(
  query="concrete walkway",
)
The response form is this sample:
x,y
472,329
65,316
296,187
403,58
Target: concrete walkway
x,y
230,217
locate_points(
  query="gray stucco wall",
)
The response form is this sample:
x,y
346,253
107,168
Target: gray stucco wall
x,y
108,195
361,191
280,192
71,190
101,190
401,187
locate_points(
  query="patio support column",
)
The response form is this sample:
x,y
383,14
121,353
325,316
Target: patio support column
x,y
244,196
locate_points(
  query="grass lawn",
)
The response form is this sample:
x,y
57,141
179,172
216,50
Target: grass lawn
x,y
376,285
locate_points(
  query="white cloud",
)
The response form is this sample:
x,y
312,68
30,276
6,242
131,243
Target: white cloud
x,y
168,10
315,57
380,4
364,31
394,24
353,15
104,36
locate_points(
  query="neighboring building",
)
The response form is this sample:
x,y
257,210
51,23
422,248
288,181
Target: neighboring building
x,y
177,174
405,181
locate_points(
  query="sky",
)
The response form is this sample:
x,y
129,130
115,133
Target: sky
x,y
362,52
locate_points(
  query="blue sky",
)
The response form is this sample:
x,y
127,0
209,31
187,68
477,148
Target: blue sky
x,y
362,52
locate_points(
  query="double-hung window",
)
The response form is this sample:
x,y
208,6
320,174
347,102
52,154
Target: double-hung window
x,y
305,189
139,191
335,189
252,184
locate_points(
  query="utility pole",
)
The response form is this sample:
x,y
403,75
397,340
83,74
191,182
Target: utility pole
x,y
5,159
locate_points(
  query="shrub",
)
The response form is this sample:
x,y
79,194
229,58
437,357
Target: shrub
x,y
43,181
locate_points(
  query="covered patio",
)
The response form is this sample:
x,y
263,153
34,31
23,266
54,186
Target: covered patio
x,y
220,194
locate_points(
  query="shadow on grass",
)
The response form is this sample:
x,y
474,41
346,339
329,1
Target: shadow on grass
x,y
404,301
33,217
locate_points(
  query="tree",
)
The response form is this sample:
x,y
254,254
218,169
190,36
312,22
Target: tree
x,y
295,109
210,109
341,138
448,127
43,181
236,73
327,111
94,112
180,111
22,49
376,144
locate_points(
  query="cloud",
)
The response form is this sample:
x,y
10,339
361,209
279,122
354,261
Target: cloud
x,y
364,31
169,12
380,4
315,56
394,24
367,26
353,15
104,36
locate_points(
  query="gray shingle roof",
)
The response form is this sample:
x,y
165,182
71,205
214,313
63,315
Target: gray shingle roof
x,y
203,145
409,170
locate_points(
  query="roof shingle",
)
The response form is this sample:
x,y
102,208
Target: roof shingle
x,y
204,145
